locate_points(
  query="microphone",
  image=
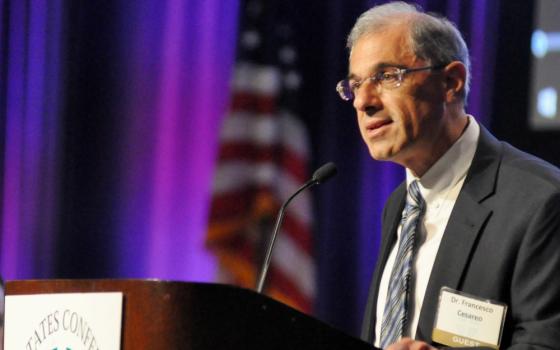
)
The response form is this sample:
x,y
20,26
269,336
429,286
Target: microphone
x,y
320,175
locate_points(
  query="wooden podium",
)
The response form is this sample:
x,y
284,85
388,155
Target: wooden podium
x,y
179,315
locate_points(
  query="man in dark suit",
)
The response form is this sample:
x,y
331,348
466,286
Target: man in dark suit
x,y
470,250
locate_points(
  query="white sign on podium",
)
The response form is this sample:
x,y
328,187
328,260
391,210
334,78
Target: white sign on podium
x,y
69,321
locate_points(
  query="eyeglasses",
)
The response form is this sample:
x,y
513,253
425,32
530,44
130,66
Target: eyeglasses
x,y
388,78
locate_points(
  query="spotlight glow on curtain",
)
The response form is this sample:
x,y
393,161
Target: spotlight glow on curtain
x,y
173,76
180,58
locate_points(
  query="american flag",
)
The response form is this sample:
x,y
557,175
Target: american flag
x,y
263,158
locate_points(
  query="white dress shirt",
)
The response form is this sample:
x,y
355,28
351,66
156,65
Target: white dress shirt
x,y
440,187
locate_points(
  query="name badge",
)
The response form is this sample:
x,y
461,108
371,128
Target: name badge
x,y
464,320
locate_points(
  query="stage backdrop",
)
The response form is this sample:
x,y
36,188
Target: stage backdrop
x,y
110,115
110,112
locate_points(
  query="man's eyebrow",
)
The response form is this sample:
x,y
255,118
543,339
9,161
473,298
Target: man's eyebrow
x,y
377,67
387,65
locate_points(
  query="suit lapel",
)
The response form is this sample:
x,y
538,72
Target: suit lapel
x,y
464,226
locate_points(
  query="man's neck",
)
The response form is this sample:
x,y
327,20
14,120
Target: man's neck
x,y
443,141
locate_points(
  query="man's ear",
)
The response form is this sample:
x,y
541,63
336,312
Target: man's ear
x,y
455,80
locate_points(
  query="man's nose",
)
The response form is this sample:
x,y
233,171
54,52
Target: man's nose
x,y
366,97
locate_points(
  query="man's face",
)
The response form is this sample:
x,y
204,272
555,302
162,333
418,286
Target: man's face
x,y
402,123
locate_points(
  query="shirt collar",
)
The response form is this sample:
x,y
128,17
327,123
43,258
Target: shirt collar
x,y
452,166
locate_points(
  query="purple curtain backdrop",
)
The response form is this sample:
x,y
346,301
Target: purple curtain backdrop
x,y
31,95
180,60
178,56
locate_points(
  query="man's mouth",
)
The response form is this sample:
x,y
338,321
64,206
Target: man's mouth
x,y
377,126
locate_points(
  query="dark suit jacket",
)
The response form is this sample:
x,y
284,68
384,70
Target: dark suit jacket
x,y
502,242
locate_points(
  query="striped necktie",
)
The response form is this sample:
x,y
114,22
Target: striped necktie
x,y
395,313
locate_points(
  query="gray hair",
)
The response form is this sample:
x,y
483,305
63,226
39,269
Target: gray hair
x,y
433,38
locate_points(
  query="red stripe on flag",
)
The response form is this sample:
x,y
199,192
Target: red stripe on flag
x,y
234,203
298,232
279,155
285,285
255,103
